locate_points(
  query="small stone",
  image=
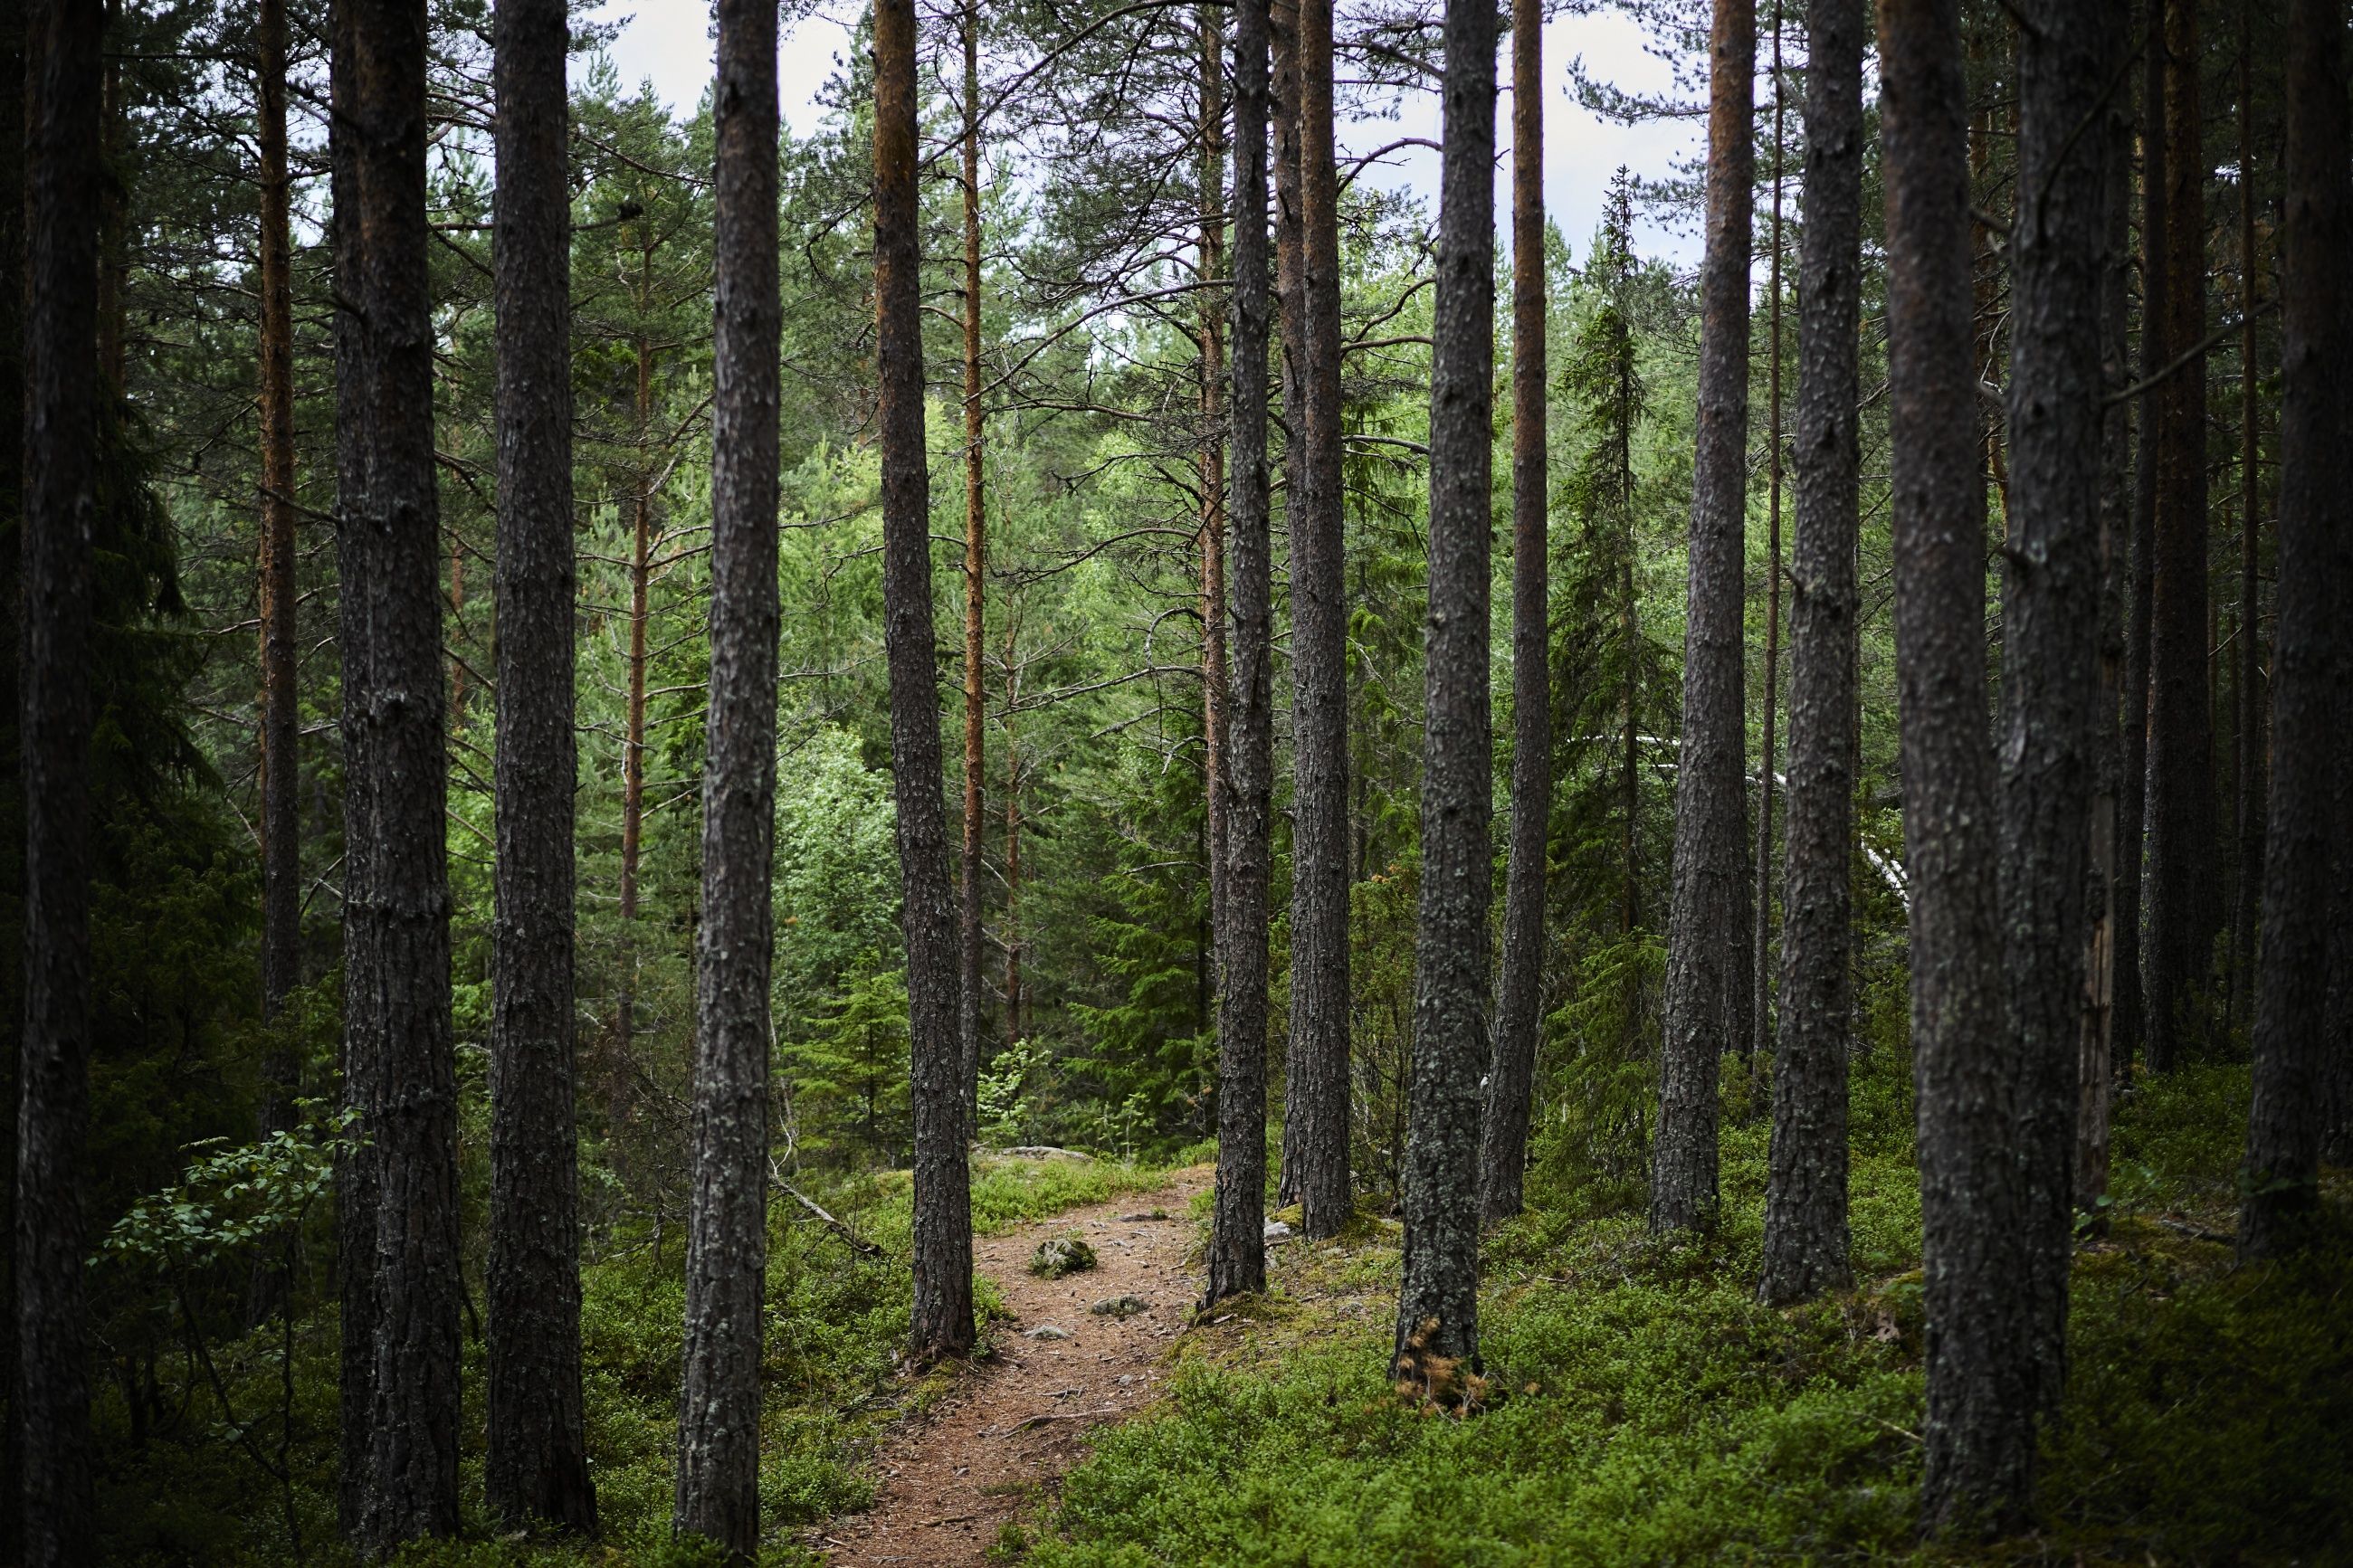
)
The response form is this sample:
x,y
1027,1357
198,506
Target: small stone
x,y
1120,1306
1060,1255
1046,1332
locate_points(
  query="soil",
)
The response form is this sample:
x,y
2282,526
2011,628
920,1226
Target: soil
x,y
948,1480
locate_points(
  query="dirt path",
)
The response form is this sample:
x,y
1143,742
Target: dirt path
x,y
950,1479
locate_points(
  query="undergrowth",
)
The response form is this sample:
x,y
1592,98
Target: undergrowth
x,y
837,1321
1647,1410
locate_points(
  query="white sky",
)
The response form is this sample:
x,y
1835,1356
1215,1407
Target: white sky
x,y
667,43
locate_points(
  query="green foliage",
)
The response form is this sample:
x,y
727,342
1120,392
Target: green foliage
x,y
1648,1410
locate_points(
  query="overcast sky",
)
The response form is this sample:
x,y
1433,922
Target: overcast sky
x,y
667,43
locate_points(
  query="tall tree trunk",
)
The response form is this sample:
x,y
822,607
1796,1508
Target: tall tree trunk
x,y
1758,1043
2183,907
718,1491
2128,1023
281,859
1318,1107
400,921
537,1466
1013,938
2051,613
51,1393
1291,313
1979,1433
1237,1255
633,718
2247,769
1211,326
1806,1196
1438,1303
1707,942
2095,1078
1511,1083
942,1315
976,562
2284,1132
358,1162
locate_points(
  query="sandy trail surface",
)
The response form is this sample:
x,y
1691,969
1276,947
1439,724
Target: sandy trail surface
x,y
949,1479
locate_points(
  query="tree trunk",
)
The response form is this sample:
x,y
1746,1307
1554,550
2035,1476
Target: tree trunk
x,y
1511,1084
2095,1080
399,921
2128,1020
2281,1183
537,1465
942,1314
358,1162
2050,615
1237,1262
718,1490
1291,313
2183,906
51,1393
1012,845
1707,939
633,720
2247,769
281,859
976,561
1438,1303
1805,1196
1316,1110
1212,267
1979,1433
1758,1043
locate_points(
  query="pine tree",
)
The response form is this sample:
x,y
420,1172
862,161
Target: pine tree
x,y
1438,1302
1510,1083
537,1467
50,1382
1805,1200
718,1491
1707,936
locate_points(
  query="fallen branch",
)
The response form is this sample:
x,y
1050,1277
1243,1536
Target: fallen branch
x,y
850,1237
1073,1416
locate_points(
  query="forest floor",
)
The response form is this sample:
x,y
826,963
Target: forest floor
x,y
949,1478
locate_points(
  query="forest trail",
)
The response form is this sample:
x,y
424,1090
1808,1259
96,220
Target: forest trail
x,y
947,1481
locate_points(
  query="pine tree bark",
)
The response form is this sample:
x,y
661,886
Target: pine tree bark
x,y
1316,1108
2128,1023
1757,1044
975,564
942,1312
50,1404
1510,1083
2183,909
1519,1009
357,1162
1237,1264
1707,936
397,923
2247,682
2285,1130
281,868
2095,1078
537,1465
2050,615
1291,315
1805,1196
1979,1433
1438,1302
1211,327
718,1488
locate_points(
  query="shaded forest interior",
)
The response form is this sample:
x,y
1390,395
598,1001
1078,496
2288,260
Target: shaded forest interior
x,y
626,727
